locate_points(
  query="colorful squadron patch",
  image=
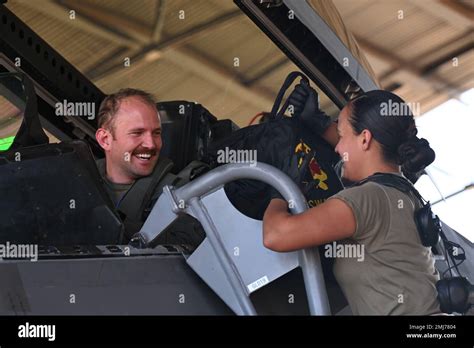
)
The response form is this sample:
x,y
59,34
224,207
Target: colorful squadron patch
x,y
318,175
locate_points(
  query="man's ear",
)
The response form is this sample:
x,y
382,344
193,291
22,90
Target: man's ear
x,y
104,138
366,139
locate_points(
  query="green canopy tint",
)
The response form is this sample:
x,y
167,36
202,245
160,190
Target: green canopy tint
x,y
5,143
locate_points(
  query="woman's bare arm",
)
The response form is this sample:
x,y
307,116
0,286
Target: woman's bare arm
x,y
329,221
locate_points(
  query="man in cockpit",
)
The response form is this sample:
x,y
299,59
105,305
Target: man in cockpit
x,y
129,132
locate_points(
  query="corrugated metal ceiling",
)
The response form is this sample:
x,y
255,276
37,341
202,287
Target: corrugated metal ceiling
x,y
404,52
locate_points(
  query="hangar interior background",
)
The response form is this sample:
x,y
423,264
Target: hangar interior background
x,y
422,50
185,49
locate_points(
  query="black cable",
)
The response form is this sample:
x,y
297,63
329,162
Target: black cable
x,y
446,256
449,251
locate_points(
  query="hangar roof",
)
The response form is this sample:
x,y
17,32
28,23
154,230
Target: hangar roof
x,y
187,49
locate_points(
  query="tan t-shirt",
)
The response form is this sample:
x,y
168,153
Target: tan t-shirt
x,y
396,275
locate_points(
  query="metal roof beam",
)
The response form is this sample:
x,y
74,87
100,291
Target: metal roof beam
x,y
448,11
188,58
168,43
266,72
223,77
459,8
193,61
432,67
443,46
159,22
111,21
398,63
61,13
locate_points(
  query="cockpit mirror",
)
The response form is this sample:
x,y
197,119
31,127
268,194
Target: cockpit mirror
x,y
12,108
19,120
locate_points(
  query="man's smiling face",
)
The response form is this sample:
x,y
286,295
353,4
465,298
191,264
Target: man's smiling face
x,y
134,142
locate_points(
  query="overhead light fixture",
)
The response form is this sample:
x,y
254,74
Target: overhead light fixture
x,y
153,55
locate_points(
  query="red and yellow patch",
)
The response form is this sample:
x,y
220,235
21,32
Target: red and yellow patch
x,y
318,175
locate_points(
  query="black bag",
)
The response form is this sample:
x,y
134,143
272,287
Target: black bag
x,y
277,142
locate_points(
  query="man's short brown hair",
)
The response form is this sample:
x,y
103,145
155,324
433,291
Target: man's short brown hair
x,y
111,104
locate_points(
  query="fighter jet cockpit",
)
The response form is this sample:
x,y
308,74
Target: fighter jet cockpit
x,y
200,247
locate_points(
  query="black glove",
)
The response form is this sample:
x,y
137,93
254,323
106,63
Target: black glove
x,y
297,169
305,101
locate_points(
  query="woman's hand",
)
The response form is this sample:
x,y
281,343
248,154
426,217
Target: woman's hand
x,y
305,101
